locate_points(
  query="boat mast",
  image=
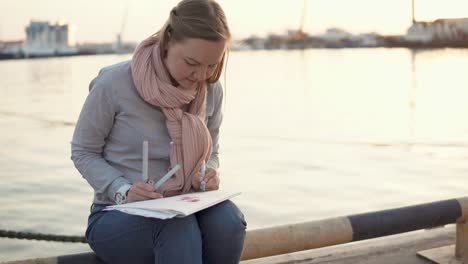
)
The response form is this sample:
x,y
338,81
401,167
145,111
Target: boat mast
x,y
122,28
300,32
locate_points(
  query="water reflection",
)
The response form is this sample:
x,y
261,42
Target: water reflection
x,y
314,127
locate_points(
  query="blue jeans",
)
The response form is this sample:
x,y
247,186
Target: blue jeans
x,y
214,235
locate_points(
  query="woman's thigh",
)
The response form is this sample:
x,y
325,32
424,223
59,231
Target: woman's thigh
x,y
117,237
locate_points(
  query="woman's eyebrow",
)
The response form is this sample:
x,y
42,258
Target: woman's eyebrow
x,y
194,60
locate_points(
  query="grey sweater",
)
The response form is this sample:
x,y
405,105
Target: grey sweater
x,y
107,142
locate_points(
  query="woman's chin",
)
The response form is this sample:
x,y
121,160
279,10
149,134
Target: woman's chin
x,y
183,87
189,85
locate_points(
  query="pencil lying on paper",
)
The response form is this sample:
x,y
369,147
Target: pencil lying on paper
x,y
167,176
145,161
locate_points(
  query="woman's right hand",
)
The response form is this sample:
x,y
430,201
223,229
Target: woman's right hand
x,y
141,191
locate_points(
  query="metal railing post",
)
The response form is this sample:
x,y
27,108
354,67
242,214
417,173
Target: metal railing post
x,y
461,246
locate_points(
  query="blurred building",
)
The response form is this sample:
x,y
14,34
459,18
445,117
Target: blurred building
x,y
11,49
335,35
45,39
338,38
439,31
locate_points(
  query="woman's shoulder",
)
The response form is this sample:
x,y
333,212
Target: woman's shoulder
x,y
115,76
215,90
214,97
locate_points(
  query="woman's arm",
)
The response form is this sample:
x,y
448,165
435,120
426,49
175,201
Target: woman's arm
x,y
93,127
214,123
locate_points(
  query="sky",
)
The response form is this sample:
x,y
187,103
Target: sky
x,y
101,20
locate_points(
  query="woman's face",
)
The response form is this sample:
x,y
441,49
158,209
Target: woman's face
x,y
193,60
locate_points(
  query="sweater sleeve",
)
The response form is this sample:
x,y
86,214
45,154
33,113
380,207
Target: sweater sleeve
x,y
89,140
214,123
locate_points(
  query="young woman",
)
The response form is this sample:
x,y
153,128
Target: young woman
x,y
168,94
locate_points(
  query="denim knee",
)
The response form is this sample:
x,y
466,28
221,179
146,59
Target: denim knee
x,y
223,231
223,219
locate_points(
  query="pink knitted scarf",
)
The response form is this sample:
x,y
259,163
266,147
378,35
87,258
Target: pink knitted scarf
x,y
191,138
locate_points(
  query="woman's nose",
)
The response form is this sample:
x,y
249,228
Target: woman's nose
x,y
200,74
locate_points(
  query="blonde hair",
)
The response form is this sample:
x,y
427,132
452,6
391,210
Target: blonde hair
x,y
202,19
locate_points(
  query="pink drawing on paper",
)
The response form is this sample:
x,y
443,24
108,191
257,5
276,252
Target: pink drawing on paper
x,y
190,199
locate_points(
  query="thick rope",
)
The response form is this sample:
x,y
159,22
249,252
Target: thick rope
x,y
44,237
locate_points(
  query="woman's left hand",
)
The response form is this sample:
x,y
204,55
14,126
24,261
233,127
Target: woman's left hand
x,y
211,179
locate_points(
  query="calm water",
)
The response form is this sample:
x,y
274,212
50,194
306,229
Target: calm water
x,y
307,135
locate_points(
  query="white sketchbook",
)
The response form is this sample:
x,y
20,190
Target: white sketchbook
x,y
175,206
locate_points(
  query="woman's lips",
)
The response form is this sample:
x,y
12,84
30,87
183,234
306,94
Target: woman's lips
x,y
191,83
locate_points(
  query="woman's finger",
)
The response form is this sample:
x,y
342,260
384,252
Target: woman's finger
x,y
210,173
196,180
134,197
149,195
144,193
145,186
212,183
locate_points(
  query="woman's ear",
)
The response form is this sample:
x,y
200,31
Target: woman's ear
x,y
168,39
169,34
166,48
168,42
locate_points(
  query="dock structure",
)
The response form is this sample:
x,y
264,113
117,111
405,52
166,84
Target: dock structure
x,y
298,243
316,234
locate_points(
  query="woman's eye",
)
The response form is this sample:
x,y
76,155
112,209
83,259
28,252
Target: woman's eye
x,y
213,66
190,64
